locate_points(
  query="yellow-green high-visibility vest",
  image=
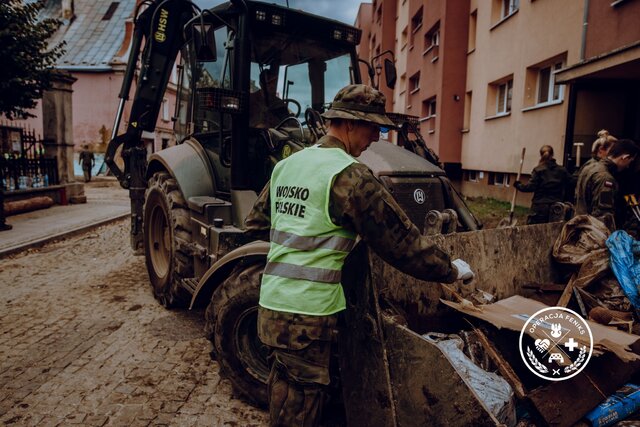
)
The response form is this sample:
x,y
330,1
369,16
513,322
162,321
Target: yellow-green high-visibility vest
x,y
307,252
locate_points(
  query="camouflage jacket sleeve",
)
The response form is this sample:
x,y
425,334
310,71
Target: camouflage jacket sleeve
x,y
359,202
604,194
258,222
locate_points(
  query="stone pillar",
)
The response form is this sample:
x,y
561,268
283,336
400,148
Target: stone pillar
x,y
57,129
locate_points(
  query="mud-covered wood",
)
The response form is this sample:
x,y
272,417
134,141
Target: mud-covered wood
x,y
426,387
503,260
364,369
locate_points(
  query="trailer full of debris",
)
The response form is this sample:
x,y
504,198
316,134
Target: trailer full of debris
x,y
422,353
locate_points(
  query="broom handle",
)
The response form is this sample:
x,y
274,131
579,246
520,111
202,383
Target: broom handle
x,y
515,190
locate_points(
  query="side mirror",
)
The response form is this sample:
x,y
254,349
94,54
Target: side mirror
x,y
204,42
390,73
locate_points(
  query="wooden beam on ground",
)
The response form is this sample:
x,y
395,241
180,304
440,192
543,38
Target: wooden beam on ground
x,y
568,291
503,366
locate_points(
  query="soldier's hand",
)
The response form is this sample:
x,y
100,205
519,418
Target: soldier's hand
x,y
464,271
517,184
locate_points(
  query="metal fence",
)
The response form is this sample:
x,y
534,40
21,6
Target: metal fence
x,y
23,162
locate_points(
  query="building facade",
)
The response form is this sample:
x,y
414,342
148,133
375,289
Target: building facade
x,y
98,36
604,82
480,76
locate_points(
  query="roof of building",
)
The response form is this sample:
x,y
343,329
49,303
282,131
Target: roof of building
x,y
95,34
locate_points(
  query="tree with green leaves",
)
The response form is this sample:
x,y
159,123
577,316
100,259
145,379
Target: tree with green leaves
x,y
27,58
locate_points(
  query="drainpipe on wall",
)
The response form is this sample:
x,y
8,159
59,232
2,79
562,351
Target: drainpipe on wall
x,y
585,24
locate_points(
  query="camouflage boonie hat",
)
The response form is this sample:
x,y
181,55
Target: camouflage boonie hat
x,y
359,102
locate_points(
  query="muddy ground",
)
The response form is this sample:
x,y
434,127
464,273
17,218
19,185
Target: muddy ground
x,y
82,341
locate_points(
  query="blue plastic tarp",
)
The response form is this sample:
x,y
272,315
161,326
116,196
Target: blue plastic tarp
x,y
623,259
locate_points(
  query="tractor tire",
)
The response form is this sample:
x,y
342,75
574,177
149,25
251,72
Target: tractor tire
x,y
166,238
231,326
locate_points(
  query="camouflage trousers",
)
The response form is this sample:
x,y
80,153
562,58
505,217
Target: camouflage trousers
x,y
300,359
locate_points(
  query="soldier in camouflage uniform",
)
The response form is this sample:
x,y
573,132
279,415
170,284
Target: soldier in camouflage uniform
x,y
355,204
548,183
597,189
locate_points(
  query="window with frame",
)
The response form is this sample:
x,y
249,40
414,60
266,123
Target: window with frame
x,y
414,82
504,92
539,86
429,113
429,108
472,176
432,40
165,110
499,179
404,37
509,7
548,91
473,23
468,97
416,24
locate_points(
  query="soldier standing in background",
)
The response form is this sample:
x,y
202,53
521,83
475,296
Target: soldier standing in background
x,y
597,189
599,150
313,224
87,161
548,183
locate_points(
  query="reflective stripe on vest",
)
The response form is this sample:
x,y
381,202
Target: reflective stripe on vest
x,y
308,243
304,265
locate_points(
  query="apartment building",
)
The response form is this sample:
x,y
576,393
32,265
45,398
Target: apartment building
x,y
511,99
604,83
480,76
98,36
430,65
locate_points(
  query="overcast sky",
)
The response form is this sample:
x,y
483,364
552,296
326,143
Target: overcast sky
x,y
341,10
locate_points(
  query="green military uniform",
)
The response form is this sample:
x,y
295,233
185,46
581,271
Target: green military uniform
x,y
548,183
357,204
596,189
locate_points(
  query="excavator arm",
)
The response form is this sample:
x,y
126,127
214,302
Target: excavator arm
x,y
160,29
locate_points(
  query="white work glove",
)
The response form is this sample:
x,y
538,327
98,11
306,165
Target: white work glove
x,y
464,271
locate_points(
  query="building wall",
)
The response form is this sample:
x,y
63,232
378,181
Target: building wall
x,y
363,21
454,59
427,71
515,47
479,48
400,94
607,96
383,32
95,103
95,100
611,25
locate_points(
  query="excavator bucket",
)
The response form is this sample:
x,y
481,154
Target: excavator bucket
x,y
392,376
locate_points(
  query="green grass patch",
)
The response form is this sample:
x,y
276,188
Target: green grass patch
x,y
491,211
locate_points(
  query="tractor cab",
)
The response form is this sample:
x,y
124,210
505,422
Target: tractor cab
x,y
256,96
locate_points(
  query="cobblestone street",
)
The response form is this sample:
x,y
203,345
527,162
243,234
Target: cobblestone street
x,y
82,341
